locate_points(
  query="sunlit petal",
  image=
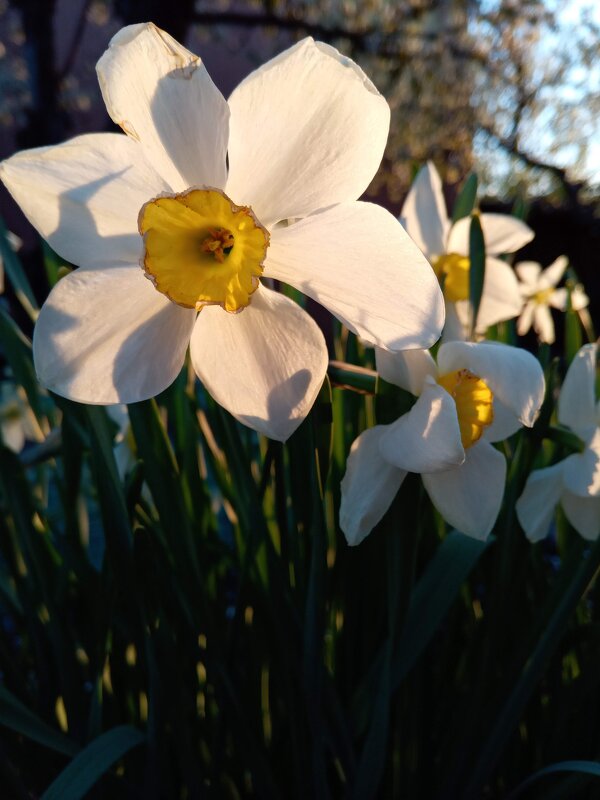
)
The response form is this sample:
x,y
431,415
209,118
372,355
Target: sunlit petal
x,y
357,261
368,487
265,365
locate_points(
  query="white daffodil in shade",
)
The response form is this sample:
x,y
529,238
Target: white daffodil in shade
x,y
539,292
426,220
17,421
209,196
574,481
477,393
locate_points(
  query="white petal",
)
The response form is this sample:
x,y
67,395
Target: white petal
x,y
505,423
456,327
579,299
536,506
552,274
406,368
582,470
357,261
526,318
427,438
469,496
543,324
528,272
163,97
577,399
84,196
107,336
583,513
502,234
368,487
501,298
308,129
514,375
424,213
265,365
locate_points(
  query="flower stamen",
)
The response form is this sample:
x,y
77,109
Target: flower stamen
x,y
474,403
219,242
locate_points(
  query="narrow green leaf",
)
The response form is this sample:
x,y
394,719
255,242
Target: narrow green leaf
x,y
350,376
573,332
465,202
434,593
571,583
591,768
92,762
16,274
17,350
477,268
17,717
54,265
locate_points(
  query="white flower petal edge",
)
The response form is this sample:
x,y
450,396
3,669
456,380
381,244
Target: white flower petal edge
x,y
107,336
407,369
581,471
501,232
357,261
368,486
528,272
501,298
543,324
161,95
553,273
583,513
265,365
424,213
535,507
469,497
308,129
427,438
84,196
514,375
577,399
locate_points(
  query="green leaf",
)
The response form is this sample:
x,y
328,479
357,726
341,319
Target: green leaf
x,y
17,350
16,274
92,762
571,583
350,376
465,202
573,333
591,768
433,595
477,268
17,717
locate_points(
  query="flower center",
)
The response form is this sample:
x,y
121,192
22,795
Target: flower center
x,y
474,403
200,248
453,269
542,298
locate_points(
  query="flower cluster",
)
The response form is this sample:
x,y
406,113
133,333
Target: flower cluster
x,y
180,225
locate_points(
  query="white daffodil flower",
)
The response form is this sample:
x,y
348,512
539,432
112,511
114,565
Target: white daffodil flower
x,y
574,481
200,193
477,393
538,289
426,220
17,421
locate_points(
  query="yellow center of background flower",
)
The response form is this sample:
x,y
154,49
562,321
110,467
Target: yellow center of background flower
x,y
474,403
542,298
453,270
201,248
